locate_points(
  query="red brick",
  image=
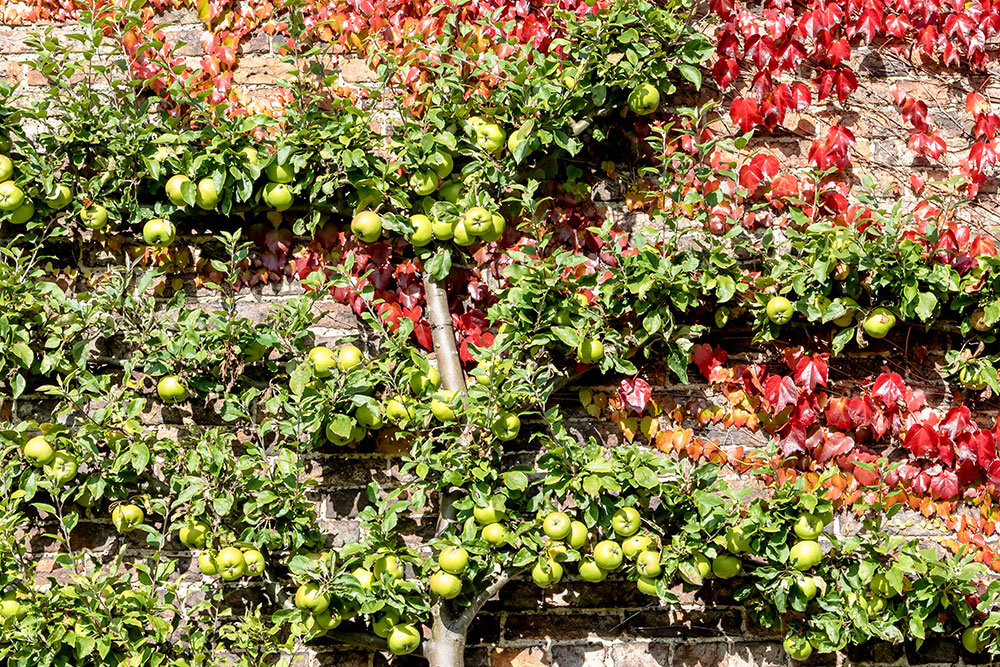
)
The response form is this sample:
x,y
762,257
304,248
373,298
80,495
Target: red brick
x,y
519,657
356,70
641,654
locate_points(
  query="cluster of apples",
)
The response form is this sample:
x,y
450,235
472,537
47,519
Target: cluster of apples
x,y
21,208
806,554
325,613
397,410
876,324
59,465
230,563
447,581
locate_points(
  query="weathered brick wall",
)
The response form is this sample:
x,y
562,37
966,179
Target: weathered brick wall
x,y
580,624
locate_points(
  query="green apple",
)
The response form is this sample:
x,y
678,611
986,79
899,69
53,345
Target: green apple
x,y
497,227
60,199
174,188
646,585
591,571
488,135
445,585
546,572
700,563
478,221
424,182
171,389
578,534
648,565
93,217
805,554
557,525
206,196
422,382
461,235
644,99
126,517
808,526
384,624
726,566
397,411
367,226
442,229
310,597
797,647
972,639
590,351
159,232
806,586
6,168
450,191
880,586
230,563
878,324
625,522
369,416
323,360
62,468
206,563
442,405
349,356
327,620
737,541
194,534
390,566
254,562
278,196
608,555
453,560
11,196
779,310
492,513
364,577
636,544
23,213
422,233
441,162
506,426
38,451
847,318
280,173
11,608
495,534
403,639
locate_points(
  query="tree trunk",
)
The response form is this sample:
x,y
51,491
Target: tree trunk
x,y
446,648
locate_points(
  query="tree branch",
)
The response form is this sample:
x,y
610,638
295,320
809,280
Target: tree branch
x,y
439,316
363,639
482,597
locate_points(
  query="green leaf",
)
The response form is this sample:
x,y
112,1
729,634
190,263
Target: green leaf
x,y
646,478
691,73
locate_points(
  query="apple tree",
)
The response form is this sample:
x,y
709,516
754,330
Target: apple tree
x,y
485,283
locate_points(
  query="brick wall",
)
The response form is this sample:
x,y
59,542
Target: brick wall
x,y
581,624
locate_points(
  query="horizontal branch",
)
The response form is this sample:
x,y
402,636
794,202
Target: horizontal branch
x,y
363,639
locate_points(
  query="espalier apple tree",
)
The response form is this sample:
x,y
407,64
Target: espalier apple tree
x,y
479,142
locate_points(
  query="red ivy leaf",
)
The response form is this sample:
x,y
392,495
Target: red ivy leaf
x,y
812,370
745,113
889,388
945,485
922,440
781,391
634,394
707,358
834,444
